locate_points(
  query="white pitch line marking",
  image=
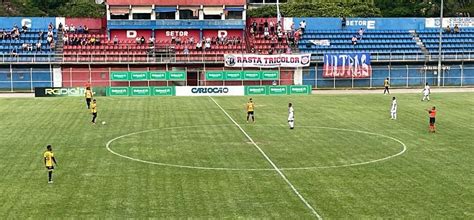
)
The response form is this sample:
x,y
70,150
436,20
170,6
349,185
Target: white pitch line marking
x,y
107,146
282,175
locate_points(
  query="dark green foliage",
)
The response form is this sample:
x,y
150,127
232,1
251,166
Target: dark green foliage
x,y
325,9
53,8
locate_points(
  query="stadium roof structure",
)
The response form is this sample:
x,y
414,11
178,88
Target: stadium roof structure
x,y
177,2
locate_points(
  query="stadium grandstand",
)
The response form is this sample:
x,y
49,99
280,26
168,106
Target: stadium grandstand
x,y
197,37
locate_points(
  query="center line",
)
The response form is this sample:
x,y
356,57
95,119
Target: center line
x,y
282,175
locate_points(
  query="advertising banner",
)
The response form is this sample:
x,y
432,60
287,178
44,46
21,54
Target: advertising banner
x,y
140,91
278,90
138,76
214,75
163,91
144,75
62,91
237,75
118,91
210,90
356,65
158,76
176,75
119,76
233,75
267,61
462,22
255,90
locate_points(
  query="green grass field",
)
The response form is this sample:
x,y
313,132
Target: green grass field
x,y
187,159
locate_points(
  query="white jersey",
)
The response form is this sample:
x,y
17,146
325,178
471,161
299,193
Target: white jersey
x,y
426,90
394,106
291,114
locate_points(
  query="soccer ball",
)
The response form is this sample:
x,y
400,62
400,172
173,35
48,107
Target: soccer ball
x,y
103,122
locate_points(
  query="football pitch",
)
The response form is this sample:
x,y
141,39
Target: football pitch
x,y
197,157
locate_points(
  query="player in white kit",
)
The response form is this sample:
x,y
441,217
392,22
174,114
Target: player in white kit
x,y
393,109
291,116
426,93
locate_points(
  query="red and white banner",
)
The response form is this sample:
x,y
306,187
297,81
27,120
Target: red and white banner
x,y
267,61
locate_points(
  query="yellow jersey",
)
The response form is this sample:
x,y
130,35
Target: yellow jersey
x,y
88,94
250,106
386,82
94,108
48,156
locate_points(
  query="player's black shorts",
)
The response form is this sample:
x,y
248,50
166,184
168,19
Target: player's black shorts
x,y
432,120
88,100
50,167
94,114
250,113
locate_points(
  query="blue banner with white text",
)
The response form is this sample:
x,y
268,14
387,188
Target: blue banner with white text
x,y
355,65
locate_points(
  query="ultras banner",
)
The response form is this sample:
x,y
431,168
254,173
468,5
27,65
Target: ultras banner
x,y
267,61
356,65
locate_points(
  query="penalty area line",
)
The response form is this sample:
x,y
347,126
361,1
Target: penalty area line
x,y
275,167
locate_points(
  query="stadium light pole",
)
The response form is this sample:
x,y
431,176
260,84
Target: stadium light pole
x,y
278,12
440,42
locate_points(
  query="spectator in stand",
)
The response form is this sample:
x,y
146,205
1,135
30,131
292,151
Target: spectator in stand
x,y
92,40
50,26
14,52
252,31
50,33
86,29
3,35
222,39
60,26
207,45
65,39
265,24
238,41
24,28
49,39
178,40
80,30
272,27
297,37
52,46
266,33
288,50
142,40
186,50
24,46
65,28
40,35
173,39
29,47
343,22
302,26
354,40
137,40
448,29
72,29
38,46
199,45
191,40
254,27
456,29
115,39
151,41
360,33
